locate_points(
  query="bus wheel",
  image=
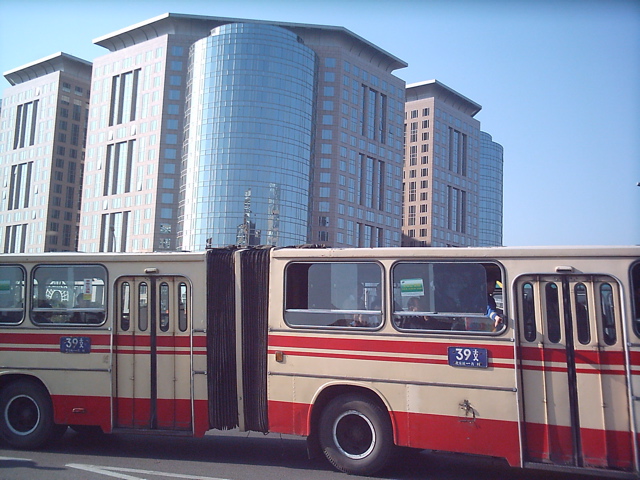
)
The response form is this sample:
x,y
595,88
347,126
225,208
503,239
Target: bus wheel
x,y
26,415
356,435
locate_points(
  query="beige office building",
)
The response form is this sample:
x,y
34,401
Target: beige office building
x,y
42,137
442,167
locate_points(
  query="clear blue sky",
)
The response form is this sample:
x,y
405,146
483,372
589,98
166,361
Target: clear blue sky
x,y
559,83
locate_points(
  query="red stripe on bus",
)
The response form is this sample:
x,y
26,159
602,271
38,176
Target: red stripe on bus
x,y
587,357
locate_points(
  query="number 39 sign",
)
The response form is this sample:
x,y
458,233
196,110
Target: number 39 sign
x,y
468,357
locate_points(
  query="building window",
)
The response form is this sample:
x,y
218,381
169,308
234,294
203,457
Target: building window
x,y
25,126
124,95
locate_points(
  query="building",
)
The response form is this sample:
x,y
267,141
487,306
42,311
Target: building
x,y
491,192
442,167
208,131
453,171
42,137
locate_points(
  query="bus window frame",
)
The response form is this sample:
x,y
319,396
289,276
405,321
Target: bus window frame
x,y
485,263
339,324
12,309
69,310
634,282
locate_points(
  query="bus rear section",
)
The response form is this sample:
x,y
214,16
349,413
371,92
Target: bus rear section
x,y
372,348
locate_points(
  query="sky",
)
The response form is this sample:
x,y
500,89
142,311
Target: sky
x,y
558,81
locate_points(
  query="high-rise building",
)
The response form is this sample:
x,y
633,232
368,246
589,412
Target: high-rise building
x,y
215,131
43,127
442,167
490,193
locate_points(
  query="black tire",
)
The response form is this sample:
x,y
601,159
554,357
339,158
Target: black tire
x,y
355,435
26,415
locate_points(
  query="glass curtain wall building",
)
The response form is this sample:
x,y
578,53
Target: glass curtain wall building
x,y
293,134
491,188
246,170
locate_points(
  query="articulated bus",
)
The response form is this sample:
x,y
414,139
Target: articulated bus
x,y
528,354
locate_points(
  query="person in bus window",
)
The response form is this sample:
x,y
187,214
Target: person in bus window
x,y
493,312
81,302
423,322
414,304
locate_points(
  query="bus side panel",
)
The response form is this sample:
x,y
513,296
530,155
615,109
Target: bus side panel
x,y
482,436
80,388
480,420
289,417
82,410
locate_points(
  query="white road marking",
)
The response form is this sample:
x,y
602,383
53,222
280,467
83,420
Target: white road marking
x,y
102,471
113,472
15,459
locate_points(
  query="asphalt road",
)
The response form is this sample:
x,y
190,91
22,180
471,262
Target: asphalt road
x,y
228,456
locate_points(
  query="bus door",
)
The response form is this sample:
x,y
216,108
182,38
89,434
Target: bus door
x,y
575,398
153,354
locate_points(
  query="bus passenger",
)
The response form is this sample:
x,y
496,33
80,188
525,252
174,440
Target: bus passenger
x,y
494,313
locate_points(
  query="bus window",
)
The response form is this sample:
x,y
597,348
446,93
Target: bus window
x,y
553,312
582,314
333,294
529,313
125,306
446,296
608,315
635,285
182,307
164,306
11,294
69,294
143,307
